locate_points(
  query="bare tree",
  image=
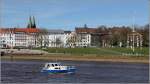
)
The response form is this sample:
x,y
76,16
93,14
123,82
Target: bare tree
x,y
71,41
42,38
58,42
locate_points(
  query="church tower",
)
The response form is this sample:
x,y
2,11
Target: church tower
x,y
31,23
34,24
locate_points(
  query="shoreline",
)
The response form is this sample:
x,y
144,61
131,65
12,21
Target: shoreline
x,y
79,58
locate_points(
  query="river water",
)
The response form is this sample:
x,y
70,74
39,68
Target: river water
x,y
87,72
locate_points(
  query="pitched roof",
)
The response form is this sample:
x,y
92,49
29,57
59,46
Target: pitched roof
x,y
67,31
86,30
14,30
56,31
26,30
6,30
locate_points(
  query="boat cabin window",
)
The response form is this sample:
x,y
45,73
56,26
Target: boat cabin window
x,y
56,65
52,65
48,65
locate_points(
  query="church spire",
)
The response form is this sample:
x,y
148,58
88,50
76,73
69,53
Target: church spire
x,y
34,24
31,23
85,26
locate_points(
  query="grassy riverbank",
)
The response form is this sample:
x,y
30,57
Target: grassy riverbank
x,y
135,59
99,51
88,54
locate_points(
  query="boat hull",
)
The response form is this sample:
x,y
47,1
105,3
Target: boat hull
x,y
60,71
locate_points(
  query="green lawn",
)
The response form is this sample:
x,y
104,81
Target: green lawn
x,y
98,51
144,51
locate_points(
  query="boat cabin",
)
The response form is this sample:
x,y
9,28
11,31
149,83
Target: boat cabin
x,y
52,64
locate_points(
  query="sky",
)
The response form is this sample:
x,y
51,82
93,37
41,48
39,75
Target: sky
x,y
68,14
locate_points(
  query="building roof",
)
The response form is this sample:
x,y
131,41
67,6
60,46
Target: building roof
x,y
55,31
86,30
26,30
14,30
67,31
92,31
134,33
6,30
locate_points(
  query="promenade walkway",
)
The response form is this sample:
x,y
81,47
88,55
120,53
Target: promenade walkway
x,y
23,51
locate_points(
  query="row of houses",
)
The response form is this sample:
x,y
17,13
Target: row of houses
x,y
29,37
11,37
32,37
36,37
81,37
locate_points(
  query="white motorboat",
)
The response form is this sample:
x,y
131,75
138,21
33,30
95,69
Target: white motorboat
x,y
58,68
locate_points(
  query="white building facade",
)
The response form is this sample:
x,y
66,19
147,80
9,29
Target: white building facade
x,y
21,39
84,40
13,37
7,39
30,38
58,38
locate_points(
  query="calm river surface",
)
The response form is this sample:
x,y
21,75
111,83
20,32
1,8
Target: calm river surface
x,y
87,72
